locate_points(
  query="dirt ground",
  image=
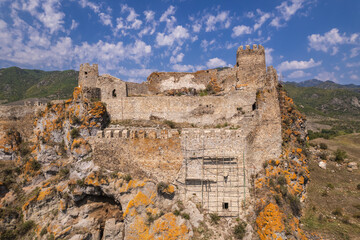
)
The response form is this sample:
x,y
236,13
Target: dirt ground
x,y
332,208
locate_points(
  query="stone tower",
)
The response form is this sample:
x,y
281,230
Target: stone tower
x,y
250,64
88,75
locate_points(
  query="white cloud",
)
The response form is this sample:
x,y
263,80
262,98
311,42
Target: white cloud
x,y
268,57
354,64
205,44
221,18
330,39
149,15
215,62
285,66
177,35
337,68
168,17
241,30
324,76
176,59
183,68
286,10
261,20
136,73
354,77
354,52
196,27
132,21
298,74
74,24
105,18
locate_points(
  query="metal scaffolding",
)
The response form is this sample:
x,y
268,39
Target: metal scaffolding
x,y
221,185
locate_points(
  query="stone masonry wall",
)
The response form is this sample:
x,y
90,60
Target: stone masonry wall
x,y
198,110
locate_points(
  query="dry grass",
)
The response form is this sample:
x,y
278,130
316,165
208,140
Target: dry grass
x,y
333,205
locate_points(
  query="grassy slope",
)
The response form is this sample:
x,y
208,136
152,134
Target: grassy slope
x,y
322,102
334,188
17,83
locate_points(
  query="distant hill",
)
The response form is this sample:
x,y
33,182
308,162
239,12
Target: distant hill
x,y
17,84
326,98
325,85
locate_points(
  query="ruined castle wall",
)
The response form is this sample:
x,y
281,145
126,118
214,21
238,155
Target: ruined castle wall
x,y
88,75
111,87
198,110
153,153
264,141
137,89
163,81
250,65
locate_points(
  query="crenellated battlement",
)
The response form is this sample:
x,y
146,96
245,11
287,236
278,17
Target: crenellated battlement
x,y
256,49
137,133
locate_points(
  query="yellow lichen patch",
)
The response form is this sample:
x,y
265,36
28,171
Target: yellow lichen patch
x,y
166,227
270,222
139,200
170,189
27,203
95,180
62,205
132,184
43,193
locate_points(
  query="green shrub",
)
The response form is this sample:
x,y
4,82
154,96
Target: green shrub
x,y
330,185
75,120
337,212
80,182
265,164
340,155
74,133
127,177
281,180
8,235
43,231
162,186
358,187
185,216
171,124
25,227
295,205
240,230
24,149
214,217
35,165
177,212
64,172
323,155
323,146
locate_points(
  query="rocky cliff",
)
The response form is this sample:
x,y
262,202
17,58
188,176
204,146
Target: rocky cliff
x,y
55,186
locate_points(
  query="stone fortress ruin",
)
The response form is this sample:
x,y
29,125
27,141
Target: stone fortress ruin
x,y
235,122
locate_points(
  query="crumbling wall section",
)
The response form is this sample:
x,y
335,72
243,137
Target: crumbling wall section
x,y
111,87
137,89
152,153
206,110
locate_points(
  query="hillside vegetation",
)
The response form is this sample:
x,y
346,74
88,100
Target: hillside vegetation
x,y
336,108
18,84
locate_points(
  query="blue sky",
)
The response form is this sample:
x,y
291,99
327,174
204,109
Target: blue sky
x,y
303,39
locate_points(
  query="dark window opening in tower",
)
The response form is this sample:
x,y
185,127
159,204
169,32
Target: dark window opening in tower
x,y
85,73
254,107
225,205
114,93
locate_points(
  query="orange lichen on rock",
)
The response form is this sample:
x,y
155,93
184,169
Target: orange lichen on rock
x,y
270,222
140,200
44,192
95,179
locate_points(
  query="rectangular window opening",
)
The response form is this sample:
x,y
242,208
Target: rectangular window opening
x,y
225,205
